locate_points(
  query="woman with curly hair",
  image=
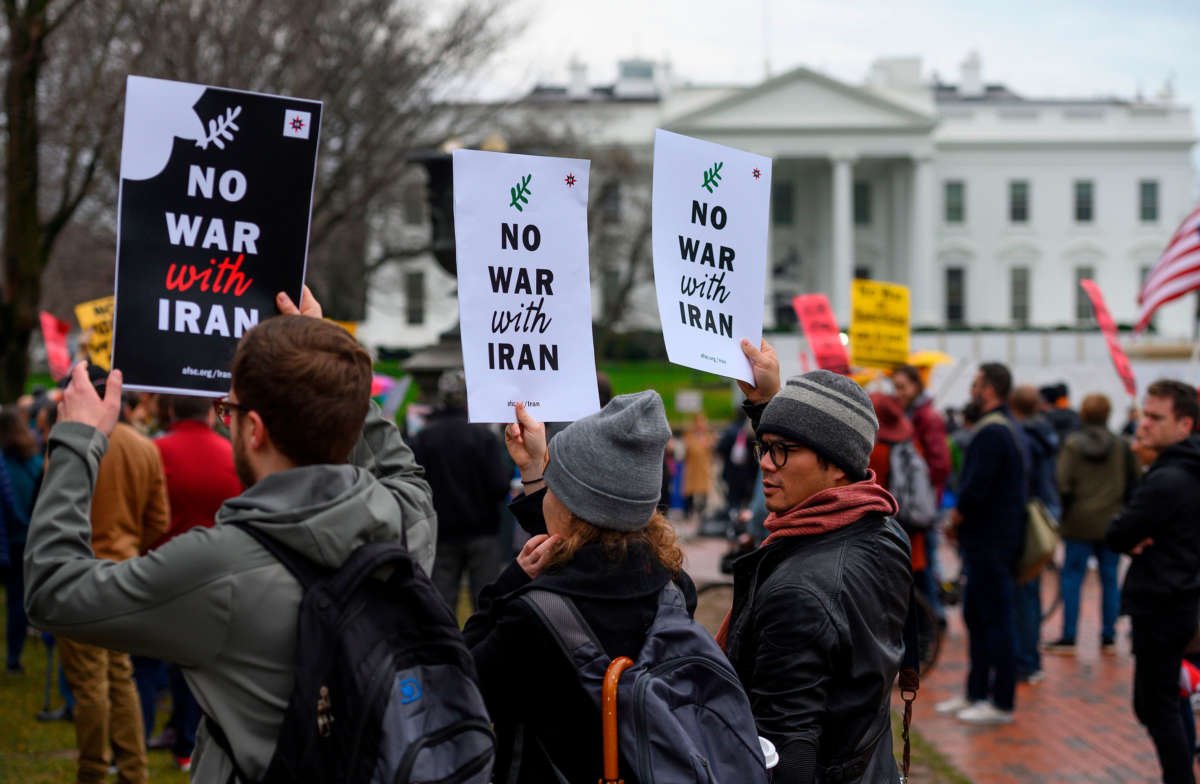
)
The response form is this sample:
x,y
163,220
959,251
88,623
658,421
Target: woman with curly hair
x,y
598,539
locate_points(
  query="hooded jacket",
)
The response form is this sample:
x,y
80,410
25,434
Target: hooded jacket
x,y
1043,444
1096,472
213,600
1165,577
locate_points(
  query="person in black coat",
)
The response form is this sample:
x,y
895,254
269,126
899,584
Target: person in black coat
x,y
815,633
1161,594
598,539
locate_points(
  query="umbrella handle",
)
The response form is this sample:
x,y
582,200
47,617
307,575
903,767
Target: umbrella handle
x,y
609,717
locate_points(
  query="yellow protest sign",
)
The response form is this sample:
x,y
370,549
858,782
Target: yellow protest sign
x,y
879,324
95,318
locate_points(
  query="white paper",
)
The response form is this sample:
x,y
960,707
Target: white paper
x,y
711,205
524,295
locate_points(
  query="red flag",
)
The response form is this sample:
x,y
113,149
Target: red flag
x,y
1109,328
54,332
820,327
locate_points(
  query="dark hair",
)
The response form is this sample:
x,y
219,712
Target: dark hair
x,y
15,438
1024,400
1182,396
177,407
310,381
971,413
1094,409
604,387
998,378
912,374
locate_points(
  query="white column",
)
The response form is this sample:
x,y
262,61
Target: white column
x,y
900,251
843,237
923,282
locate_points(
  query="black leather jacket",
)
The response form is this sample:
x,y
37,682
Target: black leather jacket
x,y
816,636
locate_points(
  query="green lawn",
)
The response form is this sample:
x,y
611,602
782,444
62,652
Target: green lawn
x,y
667,379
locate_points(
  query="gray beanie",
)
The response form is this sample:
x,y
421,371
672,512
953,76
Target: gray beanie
x,y
607,467
828,413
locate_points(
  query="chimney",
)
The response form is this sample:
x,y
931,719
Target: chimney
x,y
577,84
971,83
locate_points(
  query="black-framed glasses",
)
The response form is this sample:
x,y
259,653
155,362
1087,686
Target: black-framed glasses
x,y
778,450
225,408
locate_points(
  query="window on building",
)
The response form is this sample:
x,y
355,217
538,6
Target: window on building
x,y
414,205
1148,200
1019,296
862,273
862,203
782,208
414,296
956,201
956,297
1084,197
1083,303
1018,201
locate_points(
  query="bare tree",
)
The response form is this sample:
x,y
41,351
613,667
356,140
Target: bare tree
x,y
380,66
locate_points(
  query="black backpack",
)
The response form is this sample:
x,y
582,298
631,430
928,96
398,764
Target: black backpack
x,y
682,715
386,689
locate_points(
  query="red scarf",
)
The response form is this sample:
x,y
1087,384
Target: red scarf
x,y
822,512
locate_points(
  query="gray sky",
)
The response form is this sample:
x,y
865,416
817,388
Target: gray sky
x,y
1051,48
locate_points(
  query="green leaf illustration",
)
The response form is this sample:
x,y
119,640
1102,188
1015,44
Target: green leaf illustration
x,y
711,177
520,193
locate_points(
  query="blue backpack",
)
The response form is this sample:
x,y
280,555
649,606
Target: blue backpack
x,y
682,715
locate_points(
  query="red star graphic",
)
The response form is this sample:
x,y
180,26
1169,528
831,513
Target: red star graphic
x,y
570,180
297,123
757,174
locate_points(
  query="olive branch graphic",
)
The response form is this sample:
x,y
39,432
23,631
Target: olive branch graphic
x,y
711,177
222,126
520,193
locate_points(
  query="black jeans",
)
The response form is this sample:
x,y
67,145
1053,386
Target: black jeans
x,y
1158,644
988,610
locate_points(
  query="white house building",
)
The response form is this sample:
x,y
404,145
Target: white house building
x,y
988,204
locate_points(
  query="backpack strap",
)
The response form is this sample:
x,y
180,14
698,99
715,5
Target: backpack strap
x,y
910,675
562,619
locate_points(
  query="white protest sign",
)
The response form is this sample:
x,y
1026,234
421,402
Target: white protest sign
x,y
524,295
711,205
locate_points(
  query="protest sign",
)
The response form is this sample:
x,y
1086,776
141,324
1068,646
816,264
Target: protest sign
x,y
213,210
524,295
95,318
1108,327
879,324
821,331
54,334
711,205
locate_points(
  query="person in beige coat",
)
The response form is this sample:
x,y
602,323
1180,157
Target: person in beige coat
x,y
698,443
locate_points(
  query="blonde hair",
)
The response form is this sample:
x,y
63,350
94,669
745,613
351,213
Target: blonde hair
x,y
658,536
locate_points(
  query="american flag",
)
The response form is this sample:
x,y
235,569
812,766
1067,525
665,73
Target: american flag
x,y
1176,272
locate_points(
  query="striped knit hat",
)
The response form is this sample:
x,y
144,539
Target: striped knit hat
x,y
828,413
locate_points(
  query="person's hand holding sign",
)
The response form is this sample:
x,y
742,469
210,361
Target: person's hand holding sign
x,y
81,403
308,304
526,442
766,372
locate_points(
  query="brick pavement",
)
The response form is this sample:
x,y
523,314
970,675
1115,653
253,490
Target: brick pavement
x,y
1077,725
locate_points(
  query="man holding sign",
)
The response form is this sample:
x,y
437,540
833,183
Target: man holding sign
x,y
524,295
710,251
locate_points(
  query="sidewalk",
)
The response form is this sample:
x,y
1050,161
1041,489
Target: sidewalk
x,y
1077,725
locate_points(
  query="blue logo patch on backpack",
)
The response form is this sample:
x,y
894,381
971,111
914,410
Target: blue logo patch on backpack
x,y
386,689
682,715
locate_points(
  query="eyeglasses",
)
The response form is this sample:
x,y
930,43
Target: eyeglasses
x,y
225,408
778,450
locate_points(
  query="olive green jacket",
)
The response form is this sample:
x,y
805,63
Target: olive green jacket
x,y
213,600
1096,472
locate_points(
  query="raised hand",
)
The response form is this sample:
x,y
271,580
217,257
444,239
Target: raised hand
x,y
766,372
81,403
526,442
536,553
308,304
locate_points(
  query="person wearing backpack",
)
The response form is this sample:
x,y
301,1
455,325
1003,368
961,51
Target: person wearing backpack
x,y
816,628
602,568
324,473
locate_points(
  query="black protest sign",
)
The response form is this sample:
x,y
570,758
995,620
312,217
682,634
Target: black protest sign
x,y
215,199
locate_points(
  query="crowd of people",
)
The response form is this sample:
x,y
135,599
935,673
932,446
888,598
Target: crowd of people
x,y
132,532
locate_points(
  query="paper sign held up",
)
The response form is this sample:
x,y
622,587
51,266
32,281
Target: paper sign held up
x,y
711,205
95,318
879,324
821,331
524,292
213,209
